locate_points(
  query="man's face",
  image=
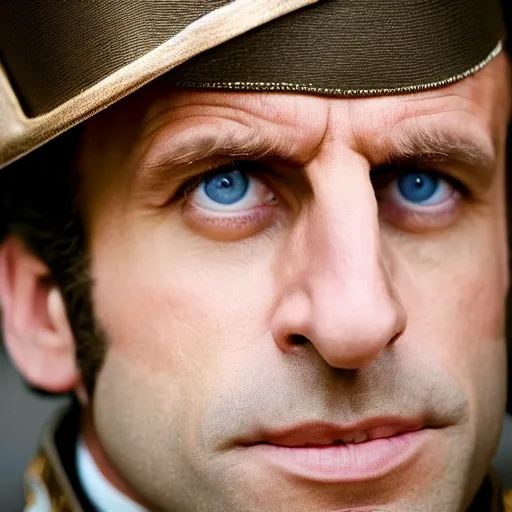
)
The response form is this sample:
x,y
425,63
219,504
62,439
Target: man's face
x,y
303,296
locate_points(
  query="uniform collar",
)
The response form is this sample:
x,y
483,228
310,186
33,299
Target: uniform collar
x,y
103,495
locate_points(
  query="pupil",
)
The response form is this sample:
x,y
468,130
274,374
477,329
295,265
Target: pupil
x,y
225,182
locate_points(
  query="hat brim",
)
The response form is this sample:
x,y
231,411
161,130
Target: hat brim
x,y
20,134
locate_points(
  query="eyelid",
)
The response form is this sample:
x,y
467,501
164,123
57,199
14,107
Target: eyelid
x,y
218,166
187,187
382,176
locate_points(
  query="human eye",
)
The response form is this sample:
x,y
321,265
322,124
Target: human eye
x,y
231,202
416,199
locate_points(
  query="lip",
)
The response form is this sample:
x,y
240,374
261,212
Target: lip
x,y
313,452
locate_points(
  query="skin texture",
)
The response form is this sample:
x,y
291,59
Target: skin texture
x,y
330,300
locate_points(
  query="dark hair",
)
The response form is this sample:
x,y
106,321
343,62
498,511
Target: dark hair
x,y
39,206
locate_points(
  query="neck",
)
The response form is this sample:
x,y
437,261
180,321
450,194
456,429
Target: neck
x,y
101,460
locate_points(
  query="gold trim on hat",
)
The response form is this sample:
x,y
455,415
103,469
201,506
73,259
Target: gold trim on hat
x,y
352,93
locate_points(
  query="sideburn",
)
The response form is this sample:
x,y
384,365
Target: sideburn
x,y
38,198
75,283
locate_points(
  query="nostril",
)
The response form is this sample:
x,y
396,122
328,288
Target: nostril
x,y
395,337
298,339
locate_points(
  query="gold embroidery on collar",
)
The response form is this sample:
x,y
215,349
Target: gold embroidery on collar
x,y
41,473
507,501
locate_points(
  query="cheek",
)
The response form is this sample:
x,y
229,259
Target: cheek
x,y
471,334
455,289
178,305
178,317
149,413
455,286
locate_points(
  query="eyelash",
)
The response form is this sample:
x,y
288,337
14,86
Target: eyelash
x,y
388,173
216,166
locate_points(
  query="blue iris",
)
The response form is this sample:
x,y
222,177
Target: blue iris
x,y
418,187
226,187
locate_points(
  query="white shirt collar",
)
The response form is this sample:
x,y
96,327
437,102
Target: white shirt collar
x,y
102,494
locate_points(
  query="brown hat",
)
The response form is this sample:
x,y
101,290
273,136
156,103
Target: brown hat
x,y
62,62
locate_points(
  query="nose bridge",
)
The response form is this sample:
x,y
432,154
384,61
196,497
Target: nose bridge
x,y
344,226
345,261
349,308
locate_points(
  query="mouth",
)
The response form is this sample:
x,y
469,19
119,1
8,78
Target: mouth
x,y
332,453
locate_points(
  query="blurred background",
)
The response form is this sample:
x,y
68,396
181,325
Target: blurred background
x,y
22,416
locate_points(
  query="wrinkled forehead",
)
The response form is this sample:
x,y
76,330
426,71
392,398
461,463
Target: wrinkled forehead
x,y
160,107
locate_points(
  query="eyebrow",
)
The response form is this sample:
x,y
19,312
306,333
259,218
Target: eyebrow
x,y
171,157
445,147
475,156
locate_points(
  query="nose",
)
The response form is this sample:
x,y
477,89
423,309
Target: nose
x,y
335,287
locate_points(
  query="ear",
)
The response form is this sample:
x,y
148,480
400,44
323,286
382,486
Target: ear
x,y
35,325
